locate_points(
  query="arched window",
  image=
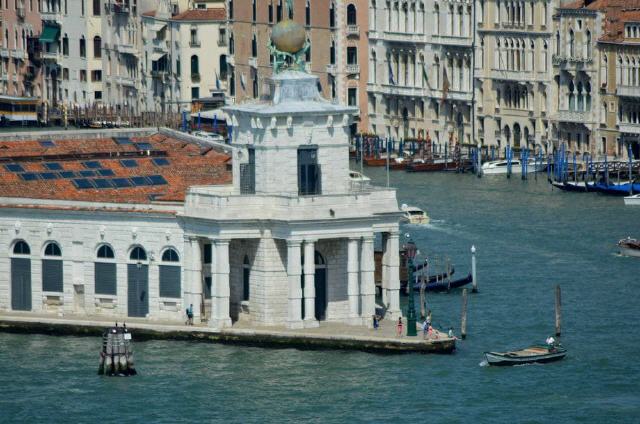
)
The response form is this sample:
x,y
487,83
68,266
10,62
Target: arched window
x,y
571,97
246,278
254,46
195,65
332,15
170,255
21,248
97,47
52,278
138,254
170,274
307,13
65,45
351,15
436,19
589,52
571,43
105,252
332,53
232,46
105,276
52,249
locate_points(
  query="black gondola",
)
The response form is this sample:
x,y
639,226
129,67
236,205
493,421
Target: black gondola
x,y
444,285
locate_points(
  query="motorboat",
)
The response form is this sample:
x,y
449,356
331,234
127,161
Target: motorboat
x,y
356,176
501,167
209,136
629,247
414,215
531,355
632,200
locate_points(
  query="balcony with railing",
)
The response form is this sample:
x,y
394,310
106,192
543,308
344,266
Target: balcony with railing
x,y
511,75
253,62
397,90
119,7
20,12
452,40
628,90
52,16
125,47
332,69
353,30
353,68
629,127
402,37
193,43
573,116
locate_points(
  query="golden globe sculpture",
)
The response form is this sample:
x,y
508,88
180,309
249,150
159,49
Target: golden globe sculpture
x,y
288,36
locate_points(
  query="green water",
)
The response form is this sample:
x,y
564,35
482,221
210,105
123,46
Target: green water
x,y
528,238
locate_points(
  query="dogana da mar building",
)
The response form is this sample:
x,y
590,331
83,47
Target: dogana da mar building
x,y
267,230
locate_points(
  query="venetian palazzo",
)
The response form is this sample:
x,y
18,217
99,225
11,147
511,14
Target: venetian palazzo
x,y
269,230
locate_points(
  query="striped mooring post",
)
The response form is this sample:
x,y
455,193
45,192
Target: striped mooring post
x,y
116,356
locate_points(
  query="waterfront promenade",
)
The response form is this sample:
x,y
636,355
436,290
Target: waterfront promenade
x,y
328,336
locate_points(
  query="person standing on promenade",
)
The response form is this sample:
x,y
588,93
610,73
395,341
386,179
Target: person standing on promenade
x,y
400,327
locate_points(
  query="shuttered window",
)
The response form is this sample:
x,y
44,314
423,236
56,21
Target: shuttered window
x,y
52,275
170,281
105,278
207,287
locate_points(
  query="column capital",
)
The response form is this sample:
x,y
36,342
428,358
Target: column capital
x,y
310,240
369,238
293,242
220,241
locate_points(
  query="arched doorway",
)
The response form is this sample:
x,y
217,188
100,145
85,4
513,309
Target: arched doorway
x,y
138,283
321,287
516,135
21,277
507,133
246,277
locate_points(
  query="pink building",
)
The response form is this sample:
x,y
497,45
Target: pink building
x,y
20,64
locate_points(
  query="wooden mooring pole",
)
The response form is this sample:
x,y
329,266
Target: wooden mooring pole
x,y
558,311
474,280
463,324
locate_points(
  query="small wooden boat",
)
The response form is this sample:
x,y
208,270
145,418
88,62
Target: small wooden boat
x,y
629,247
531,355
443,284
432,166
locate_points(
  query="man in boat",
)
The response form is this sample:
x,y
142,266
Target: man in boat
x,y
551,343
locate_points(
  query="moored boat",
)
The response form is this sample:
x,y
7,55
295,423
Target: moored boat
x,y
531,355
575,186
444,284
616,189
501,167
629,247
432,166
632,200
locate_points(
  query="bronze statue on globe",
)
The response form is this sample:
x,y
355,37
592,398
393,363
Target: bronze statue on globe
x,y
288,44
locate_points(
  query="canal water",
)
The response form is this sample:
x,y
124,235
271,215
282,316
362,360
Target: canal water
x,y
528,239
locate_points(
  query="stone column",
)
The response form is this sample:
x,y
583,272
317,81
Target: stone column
x,y
367,281
193,276
392,251
221,291
385,273
309,284
353,290
294,318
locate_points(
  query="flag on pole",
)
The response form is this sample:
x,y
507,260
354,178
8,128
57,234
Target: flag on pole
x,y
217,82
445,85
391,80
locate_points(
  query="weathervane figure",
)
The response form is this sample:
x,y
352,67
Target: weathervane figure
x,y
288,44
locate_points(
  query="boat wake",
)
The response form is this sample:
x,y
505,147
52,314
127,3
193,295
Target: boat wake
x,y
484,363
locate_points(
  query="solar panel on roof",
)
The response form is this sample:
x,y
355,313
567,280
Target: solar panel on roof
x,y
160,161
129,163
14,167
121,182
143,146
49,175
53,166
47,143
122,140
82,183
92,164
88,173
105,172
102,183
68,174
140,181
157,179
29,176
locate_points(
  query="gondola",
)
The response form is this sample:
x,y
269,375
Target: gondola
x,y
444,284
432,278
579,186
531,355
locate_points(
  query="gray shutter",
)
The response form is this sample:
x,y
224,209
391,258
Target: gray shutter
x,y
138,290
207,287
105,278
170,281
52,275
21,284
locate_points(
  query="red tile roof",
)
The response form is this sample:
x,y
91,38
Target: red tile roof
x,y
215,14
616,13
189,165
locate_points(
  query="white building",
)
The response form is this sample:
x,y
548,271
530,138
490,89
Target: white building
x,y
161,223
185,55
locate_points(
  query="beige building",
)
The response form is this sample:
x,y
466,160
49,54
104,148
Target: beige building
x,y
513,73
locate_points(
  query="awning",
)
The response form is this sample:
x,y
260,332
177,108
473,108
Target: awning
x,y
50,33
157,56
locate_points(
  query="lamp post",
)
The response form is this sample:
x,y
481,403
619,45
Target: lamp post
x,y
411,251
